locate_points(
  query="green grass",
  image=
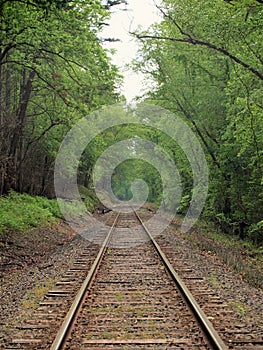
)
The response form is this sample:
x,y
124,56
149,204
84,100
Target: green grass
x,y
19,212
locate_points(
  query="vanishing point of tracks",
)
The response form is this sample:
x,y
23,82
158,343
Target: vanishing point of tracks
x,y
131,298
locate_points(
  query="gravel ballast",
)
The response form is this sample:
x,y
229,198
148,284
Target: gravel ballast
x,y
32,262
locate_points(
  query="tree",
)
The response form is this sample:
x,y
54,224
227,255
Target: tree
x,y
53,71
206,59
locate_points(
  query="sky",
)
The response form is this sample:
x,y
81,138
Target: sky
x,y
138,13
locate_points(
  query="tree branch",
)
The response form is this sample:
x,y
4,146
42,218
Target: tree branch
x,y
174,22
111,3
189,40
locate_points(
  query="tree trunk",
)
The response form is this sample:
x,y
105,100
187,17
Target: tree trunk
x,y
17,139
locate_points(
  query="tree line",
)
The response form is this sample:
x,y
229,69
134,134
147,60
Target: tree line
x,y
205,61
205,58
53,71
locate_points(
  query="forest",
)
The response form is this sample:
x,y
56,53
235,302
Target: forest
x,y
205,62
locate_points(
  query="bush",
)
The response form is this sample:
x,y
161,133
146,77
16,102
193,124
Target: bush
x,y
255,233
184,204
21,211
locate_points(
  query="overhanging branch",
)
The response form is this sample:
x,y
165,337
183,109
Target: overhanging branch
x,y
189,40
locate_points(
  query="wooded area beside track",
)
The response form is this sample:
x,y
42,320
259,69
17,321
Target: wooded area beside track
x,y
205,61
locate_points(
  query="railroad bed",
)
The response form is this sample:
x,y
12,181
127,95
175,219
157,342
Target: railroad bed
x,y
132,300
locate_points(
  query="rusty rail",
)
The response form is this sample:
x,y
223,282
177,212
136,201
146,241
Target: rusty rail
x,y
76,305
205,324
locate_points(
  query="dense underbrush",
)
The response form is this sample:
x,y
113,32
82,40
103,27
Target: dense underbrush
x,y
22,211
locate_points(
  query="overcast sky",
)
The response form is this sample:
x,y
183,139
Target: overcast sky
x,y
141,13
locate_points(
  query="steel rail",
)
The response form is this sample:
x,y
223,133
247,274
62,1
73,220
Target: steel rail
x,y
206,325
67,323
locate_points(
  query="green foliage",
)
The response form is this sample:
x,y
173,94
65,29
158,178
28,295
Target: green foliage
x,y
184,205
127,172
53,71
255,233
206,60
21,211
90,199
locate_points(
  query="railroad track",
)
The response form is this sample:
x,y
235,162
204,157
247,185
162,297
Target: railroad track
x,y
131,299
